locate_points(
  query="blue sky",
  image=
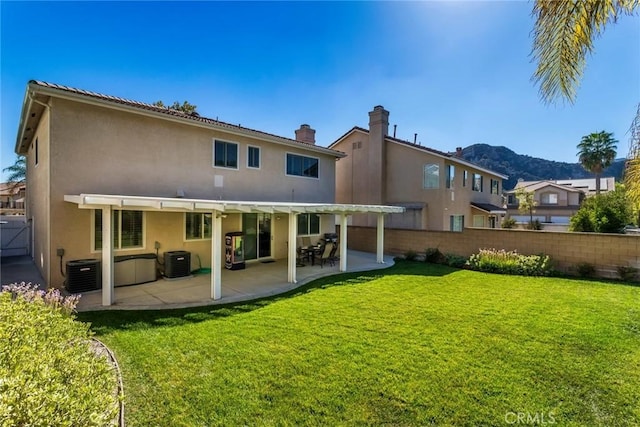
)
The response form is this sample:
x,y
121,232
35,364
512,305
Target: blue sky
x,y
456,73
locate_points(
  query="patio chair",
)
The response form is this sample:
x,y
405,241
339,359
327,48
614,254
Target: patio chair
x,y
325,254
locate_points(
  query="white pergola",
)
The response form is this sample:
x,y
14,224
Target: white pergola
x,y
218,208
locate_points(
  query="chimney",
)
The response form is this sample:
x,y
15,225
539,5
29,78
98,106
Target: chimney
x,y
376,179
306,134
458,151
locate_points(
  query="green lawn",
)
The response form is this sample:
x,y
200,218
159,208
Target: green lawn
x,y
415,344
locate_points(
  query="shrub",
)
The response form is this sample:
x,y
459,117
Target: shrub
x,y
454,260
534,225
410,255
48,373
510,262
585,269
509,223
434,256
627,274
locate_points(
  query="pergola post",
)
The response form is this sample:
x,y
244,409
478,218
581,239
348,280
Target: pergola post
x,y
343,242
291,248
216,255
380,239
107,256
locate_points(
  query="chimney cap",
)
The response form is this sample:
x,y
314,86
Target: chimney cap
x,y
378,107
305,126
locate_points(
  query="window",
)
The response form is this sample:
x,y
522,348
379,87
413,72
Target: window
x,y
477,182
197,226
128,229
456,222
512,200
253,157
549,198
302,166
431,178
465,177
451,174
495,186
308,224
225,155
478,220
36,152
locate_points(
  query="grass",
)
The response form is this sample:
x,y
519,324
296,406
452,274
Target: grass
x,y
415,344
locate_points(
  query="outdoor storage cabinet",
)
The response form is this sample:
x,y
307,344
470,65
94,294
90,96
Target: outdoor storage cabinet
x,y
177,264
83,275
134,269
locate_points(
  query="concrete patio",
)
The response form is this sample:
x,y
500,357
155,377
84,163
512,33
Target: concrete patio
x,y
255,281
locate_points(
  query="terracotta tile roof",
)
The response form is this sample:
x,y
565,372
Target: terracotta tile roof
x,y
175,113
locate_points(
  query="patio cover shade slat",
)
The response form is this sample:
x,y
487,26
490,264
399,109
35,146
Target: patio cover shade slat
x,y
180,205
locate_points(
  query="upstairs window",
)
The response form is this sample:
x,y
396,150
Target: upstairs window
x,y
253,157
465,177
495,186
197,226
302,166
225,155
477,182
451,174
431,176
549,198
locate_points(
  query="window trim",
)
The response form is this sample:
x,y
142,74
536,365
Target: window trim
x,y
184,228
92,243
249,147
214,154
286,165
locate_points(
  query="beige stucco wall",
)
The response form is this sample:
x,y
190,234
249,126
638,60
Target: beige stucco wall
x,y
104,151
404,185
38,198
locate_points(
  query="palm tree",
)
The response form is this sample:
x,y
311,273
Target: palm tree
x,y
17,172
596,152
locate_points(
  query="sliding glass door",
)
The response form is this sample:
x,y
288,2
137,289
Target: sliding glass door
x,y
257,235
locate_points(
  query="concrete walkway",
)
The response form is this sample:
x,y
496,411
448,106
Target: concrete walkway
x,y
18,269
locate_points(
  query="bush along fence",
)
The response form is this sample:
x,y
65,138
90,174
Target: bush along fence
x,y
609,255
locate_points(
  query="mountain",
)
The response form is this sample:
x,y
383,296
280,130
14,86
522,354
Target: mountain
x,y
507,162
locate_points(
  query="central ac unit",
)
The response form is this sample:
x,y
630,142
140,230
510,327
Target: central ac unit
x,y
177,264
83,275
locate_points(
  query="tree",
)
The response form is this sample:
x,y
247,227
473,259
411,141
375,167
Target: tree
x,y
527,204
185,107
563,35
603,213
17,172
597,151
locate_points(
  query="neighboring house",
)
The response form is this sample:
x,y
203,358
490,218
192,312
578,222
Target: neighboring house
x,y
12,198
440,191
163,180
588,185
556,203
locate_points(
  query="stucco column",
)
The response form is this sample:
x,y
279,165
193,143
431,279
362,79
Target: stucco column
x,y
380,239
216,255
107,257
343,242
291,248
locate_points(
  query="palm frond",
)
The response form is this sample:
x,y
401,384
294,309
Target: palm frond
x,y
564,34
632,166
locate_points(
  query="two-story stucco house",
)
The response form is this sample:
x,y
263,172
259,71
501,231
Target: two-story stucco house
x,y
555,203
439,191
159,180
